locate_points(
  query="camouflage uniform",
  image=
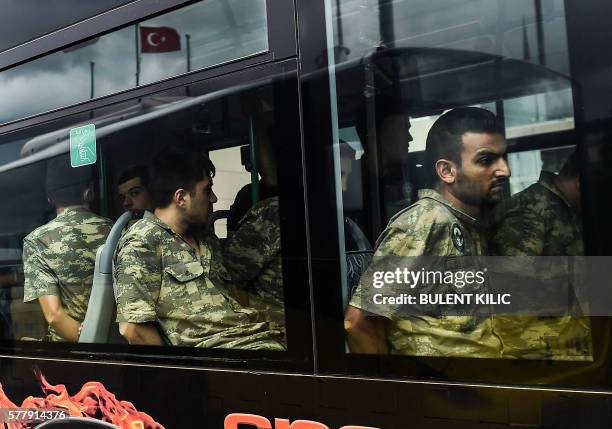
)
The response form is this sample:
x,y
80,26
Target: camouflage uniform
x,y
429,228
539,221
59,259
160,278
252,256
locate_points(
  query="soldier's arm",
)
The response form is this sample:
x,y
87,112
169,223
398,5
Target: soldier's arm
x,y
40,283
364,333
138,280
521,232
39,278
253,245
141,333
58,319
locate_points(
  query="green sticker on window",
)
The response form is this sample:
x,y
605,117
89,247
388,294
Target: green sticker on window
x,y
83,146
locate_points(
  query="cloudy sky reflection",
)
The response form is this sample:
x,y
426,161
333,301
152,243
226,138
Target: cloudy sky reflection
x,y
220,30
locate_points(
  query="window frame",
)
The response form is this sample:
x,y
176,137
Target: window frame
x,y
331,355
282,44
293,236
51,24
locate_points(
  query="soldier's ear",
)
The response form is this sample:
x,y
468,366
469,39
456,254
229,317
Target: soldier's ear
x,y
446,170
88,194
180,197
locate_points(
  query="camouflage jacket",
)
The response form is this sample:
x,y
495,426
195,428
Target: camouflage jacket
x,y
253,259
161,279
539,221
432,227
59,259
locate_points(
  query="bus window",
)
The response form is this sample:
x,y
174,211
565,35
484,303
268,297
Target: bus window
x,y
527,166
54,234
202,286
455,140
197,36
250,254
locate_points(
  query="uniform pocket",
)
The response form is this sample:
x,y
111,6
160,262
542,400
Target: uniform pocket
x,y
185,287
184,272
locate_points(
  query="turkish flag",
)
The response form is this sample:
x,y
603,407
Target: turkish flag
x,y
159,39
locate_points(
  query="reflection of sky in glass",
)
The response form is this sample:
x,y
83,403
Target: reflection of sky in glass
x,y
220,30
499,27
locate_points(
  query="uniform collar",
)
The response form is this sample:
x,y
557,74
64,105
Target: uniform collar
x,y
157,221
203,241
436,196
75,209
72,211
547,179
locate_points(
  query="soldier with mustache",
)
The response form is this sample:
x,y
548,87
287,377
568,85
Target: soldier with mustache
x,y
465,154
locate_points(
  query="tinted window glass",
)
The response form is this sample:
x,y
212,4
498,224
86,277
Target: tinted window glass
x,y
201,35
221,280
497,175
50,16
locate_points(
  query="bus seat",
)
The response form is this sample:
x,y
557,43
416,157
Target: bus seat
x,y
76,423
358,237
358,257
101,307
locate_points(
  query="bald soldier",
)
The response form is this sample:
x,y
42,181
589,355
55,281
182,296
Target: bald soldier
x,y
465,152
172,286
59,257
544,220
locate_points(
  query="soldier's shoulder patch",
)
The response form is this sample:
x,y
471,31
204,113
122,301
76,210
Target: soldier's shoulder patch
x,y
457,236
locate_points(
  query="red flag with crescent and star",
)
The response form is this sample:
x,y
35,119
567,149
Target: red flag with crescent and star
x,y
159,39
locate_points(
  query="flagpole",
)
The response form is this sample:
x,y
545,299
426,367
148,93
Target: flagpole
x,y
188,43
137,56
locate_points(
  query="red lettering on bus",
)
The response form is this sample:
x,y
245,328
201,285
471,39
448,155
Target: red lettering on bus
x,y
298,424
233,420
357,427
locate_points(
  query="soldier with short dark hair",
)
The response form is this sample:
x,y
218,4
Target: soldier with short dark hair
x,y
544,220
172,286
465,149
59,257
132,187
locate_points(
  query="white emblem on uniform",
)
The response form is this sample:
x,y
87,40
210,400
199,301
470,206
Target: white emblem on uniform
x,y
458,239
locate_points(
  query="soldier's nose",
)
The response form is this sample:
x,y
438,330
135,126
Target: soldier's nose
x,y
503,169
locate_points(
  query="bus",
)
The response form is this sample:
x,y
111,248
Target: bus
x,y
324,106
